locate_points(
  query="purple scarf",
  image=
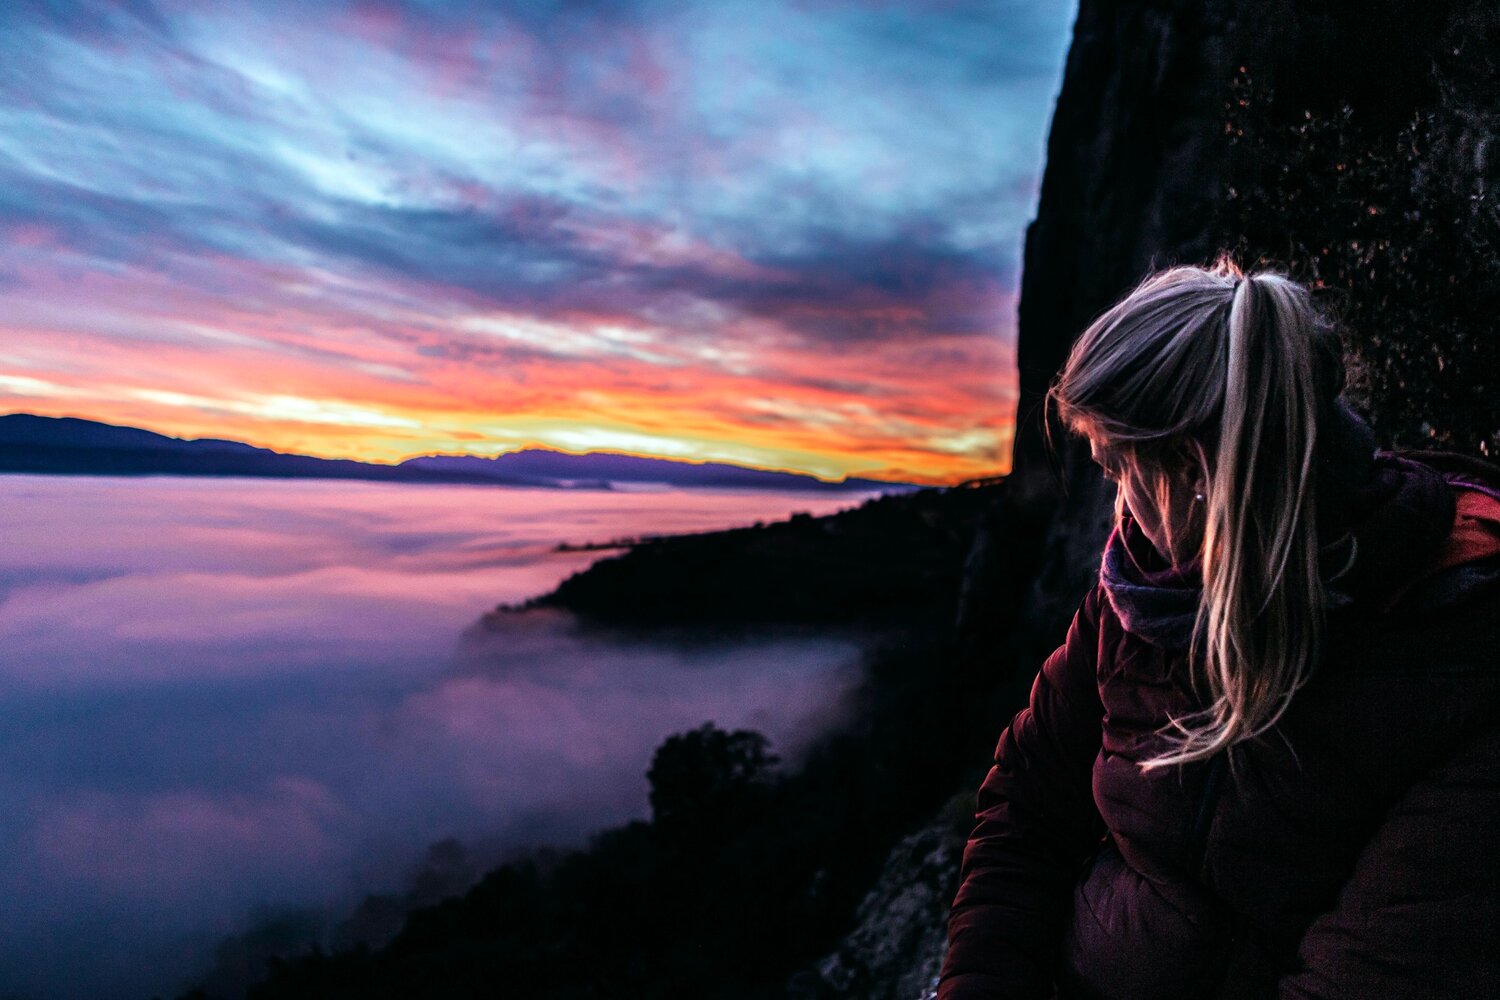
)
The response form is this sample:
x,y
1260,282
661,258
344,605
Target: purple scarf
x,y
1159,602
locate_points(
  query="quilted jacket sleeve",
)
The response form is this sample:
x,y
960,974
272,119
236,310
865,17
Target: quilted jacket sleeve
x,y
1036,824
1420,915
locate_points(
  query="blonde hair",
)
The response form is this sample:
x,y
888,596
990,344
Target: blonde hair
x,y
1220,375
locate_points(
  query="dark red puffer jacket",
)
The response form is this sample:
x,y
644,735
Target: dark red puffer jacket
x,y
1351,851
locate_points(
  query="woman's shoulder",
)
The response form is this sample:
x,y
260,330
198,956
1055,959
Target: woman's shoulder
x,y
1463,569
1444,622
1448,463
1424,654
1422,536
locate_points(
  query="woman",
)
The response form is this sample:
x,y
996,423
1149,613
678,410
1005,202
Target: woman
x,y
1266,760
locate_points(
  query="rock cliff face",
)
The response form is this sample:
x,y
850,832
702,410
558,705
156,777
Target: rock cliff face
x,y
1348,143
1292,135
895,951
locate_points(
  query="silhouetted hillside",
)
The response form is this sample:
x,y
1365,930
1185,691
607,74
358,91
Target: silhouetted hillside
x,y
72,446
894,559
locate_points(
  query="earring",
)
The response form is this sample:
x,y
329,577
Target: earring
x,y
1199,497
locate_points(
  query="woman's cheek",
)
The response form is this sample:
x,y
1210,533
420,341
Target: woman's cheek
x,y
1144,509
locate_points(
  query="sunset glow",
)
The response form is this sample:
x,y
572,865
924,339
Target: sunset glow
x,y
779,234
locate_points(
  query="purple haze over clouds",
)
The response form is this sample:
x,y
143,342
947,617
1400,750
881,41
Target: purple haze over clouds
x,y
226,694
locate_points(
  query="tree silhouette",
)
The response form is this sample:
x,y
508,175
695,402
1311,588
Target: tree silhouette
x,y
707,778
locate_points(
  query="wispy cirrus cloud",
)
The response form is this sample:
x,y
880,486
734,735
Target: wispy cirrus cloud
x,y
505,225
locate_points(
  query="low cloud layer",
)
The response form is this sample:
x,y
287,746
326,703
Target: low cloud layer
x,y
222,696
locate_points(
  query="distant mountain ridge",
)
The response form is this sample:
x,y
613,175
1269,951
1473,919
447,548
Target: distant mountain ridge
x,y
75,446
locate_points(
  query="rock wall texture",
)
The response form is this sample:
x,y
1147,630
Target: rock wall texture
x,y
1350,144
895,950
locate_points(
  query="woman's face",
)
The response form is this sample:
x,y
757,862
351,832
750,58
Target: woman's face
x,y
1163,505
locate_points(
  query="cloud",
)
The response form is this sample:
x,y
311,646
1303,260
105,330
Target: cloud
x,y
228,693
298,199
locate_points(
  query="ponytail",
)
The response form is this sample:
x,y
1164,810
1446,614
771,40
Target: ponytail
x,y
1232,371
1260,615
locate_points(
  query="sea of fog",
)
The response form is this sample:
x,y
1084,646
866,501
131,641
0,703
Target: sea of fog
x,y
222,697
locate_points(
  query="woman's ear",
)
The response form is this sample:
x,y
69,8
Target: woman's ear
x,y
1193,466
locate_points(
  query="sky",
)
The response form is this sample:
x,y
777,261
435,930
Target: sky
x,y
779,233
